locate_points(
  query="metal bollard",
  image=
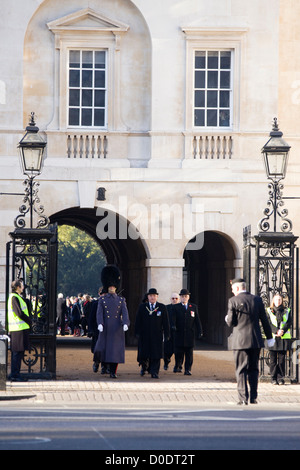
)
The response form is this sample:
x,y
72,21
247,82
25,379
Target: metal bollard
x,y
3,363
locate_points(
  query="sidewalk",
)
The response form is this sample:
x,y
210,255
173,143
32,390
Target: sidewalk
x,y
212,384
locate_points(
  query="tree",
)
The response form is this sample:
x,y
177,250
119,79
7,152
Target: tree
x,y
80,262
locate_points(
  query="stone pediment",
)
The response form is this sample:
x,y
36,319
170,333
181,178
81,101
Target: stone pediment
x,y
86,20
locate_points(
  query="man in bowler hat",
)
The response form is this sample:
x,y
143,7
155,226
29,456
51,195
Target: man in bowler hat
x,y
245,311
188,327
151,327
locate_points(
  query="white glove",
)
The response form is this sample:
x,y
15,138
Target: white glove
x,y
125,328
271,342
100,328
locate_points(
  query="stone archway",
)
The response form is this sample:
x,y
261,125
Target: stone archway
x,y
128,254
207,275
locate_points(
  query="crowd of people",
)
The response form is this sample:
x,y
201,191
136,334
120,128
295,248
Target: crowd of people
x,y
162,330
73,314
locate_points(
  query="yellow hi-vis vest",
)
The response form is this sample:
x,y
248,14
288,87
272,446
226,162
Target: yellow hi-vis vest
x,y
287,334
14,322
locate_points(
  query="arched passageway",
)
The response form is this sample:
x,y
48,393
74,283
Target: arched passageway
x,y
207,275
128,254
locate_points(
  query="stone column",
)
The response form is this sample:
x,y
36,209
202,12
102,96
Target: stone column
x,y
165,274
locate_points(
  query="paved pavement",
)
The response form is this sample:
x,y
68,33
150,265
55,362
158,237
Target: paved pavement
x,y
130,390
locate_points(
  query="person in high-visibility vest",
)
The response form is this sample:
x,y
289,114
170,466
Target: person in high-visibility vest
x,y
19,323
280,320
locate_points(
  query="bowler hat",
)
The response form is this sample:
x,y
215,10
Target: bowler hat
x,y
237,280
184,292
152,291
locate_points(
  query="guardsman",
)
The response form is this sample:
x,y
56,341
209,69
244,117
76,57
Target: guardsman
x,y
19,323
113,322
280,321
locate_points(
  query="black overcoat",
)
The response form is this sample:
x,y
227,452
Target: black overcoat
x,y
187,325
151,327
245,312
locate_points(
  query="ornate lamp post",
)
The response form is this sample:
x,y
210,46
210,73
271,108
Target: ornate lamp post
x,y
275,154
276,255
32,148
31,255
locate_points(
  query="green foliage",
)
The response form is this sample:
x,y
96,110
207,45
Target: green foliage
x,y
80,262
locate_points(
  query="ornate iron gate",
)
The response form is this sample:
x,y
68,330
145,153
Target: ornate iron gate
x,y
32,257
276,272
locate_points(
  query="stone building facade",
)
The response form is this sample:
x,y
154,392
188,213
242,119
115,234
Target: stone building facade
x,y
165,105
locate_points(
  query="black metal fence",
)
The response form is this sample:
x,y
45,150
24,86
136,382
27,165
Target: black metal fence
x,y
276,265
32,256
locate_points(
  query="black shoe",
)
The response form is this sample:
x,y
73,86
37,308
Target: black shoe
x,y
154,376
176,369
143,372
113,376
242,403
95,366
274,382
253,401
165,367
187,372
281,382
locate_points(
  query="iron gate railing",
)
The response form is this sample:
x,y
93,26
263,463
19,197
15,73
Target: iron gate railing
x,y
32,256
276,271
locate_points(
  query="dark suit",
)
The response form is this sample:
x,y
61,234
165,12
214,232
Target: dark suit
x,y
150,328
245,311
187,326
61,312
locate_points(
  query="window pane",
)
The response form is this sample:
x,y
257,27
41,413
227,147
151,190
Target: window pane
x,y
212,99
199,117
87,78
212,79
74,97
212,60
86,117
224,99
199,79
212,117
225,60
87,59
199,99
100,59
100,79
99,115
75,59
225,80
73,116
87,98
74,78
99,99
224,117
200,60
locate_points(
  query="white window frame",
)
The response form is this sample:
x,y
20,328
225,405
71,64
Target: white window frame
x,y
213,39
87,30
81,88
217,89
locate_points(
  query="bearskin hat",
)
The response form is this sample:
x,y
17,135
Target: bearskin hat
x,y
110,276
